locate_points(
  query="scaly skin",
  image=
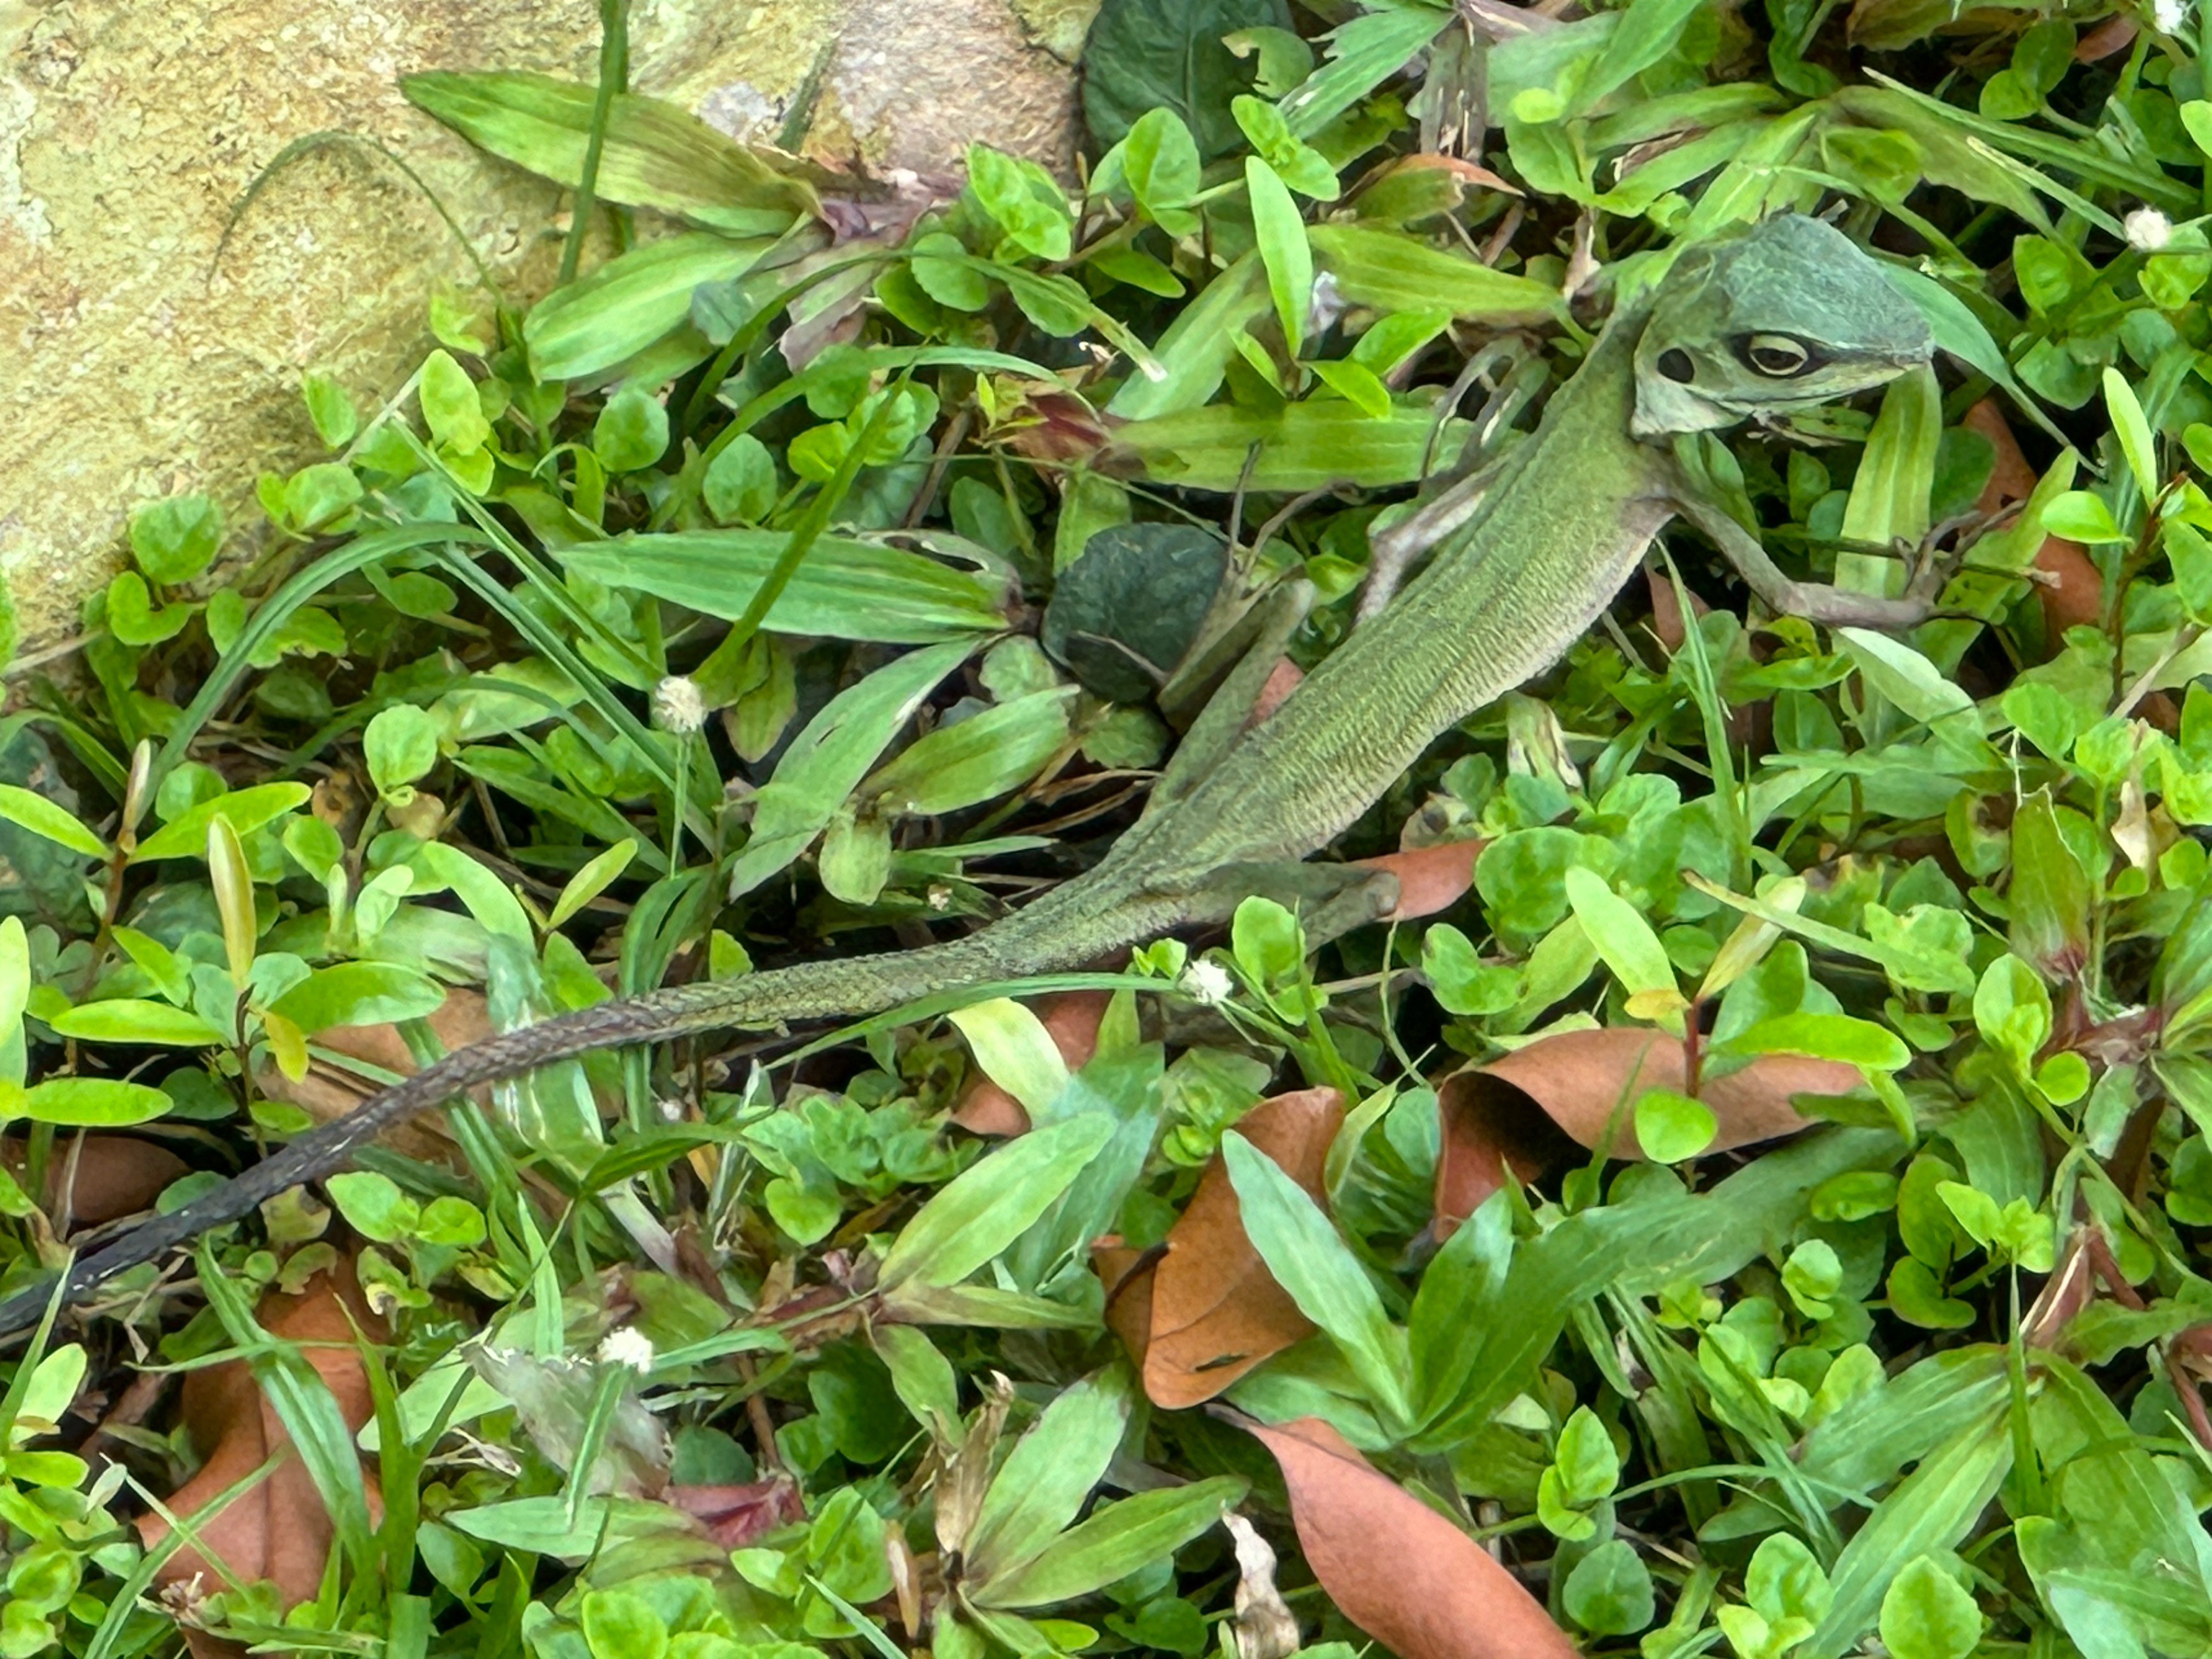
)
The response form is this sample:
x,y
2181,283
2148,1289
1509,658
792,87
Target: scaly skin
x,y
1529,570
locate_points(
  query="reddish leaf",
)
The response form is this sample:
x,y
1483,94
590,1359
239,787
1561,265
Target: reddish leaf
x,y
1666,623
1215,1312
1576,1079
278,1530
1396,1568
2076,595
736,1515
1429,878
1071,1020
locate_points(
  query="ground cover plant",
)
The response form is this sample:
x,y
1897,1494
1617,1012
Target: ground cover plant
x,y
828,563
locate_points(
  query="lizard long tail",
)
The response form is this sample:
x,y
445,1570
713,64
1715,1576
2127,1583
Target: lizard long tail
x,y
1038,940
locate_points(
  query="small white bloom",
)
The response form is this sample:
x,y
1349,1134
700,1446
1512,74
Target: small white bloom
x,y
2147,229
677,706
2167,17
626,1345
1208,981
1326,306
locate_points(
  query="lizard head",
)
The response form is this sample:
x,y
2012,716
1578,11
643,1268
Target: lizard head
x,y
1788,313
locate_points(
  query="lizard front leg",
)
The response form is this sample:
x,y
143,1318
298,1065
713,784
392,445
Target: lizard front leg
x,y
1819,602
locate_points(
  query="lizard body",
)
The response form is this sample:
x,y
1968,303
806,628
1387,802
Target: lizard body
x,y
1788,313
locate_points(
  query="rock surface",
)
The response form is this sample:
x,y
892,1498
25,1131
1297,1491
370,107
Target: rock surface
x,y
158,320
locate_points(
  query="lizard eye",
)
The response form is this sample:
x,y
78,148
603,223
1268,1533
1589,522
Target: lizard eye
x,y
1676,366
1779,356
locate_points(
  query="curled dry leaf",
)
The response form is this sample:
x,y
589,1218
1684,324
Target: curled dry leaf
x,y
1396,1568
1071,1020
279,1529
1265,1627
92,1180
1576,1079
1429,878
2075,593
1214,1311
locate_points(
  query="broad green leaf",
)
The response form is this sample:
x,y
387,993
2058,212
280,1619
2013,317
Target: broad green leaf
x,y
1365,51
2133,433
1889,496
1194,349
1624,940
973,760
92,1102
127,1019
594,878
1041,1486
1015,1051
1116,1541
1901,674
1283,250
1672,1126
655,154
828,758
1304,446
1932,1509
1146,54
175,538
359,993
628,303
1308,1258
244,809
1824,1036
843,589
1391,271
34,813
990,1203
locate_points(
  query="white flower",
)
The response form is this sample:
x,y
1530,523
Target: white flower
x,y
2147,229
626,1345
677,706
1207,981
2167,17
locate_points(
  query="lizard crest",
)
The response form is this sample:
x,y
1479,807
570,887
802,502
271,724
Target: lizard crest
x,y
1788,314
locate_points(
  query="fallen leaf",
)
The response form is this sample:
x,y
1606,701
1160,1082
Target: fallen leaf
x,y
97,1179
2077,594
279,1529
1265,1626
1393,1565
1666,624
735,1515
1429,878
1071,1020
330,1092
1127,1274
1215,1312
1576,1079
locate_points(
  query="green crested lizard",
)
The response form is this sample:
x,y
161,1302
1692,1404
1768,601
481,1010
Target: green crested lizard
x,y
1526,554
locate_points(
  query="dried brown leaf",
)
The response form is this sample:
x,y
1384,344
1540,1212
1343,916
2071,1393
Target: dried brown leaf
x,y
1071,1020
2075,593
96,1179
1429,878
1216,1311
279,1529
1577,1080
1396,1568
